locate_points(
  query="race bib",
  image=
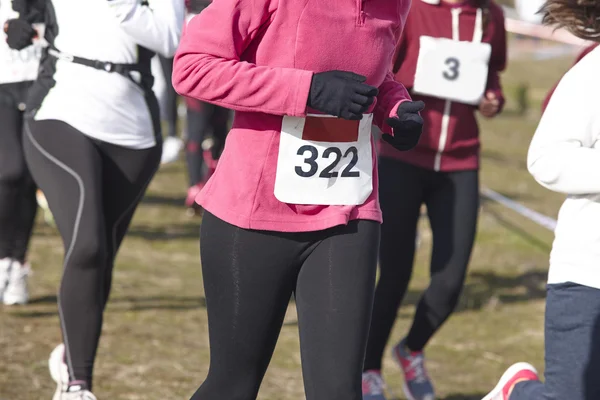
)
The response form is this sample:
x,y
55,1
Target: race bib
x,y
23,65
324,160
452,70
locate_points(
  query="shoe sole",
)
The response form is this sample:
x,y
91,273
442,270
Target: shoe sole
x,y
507,376
56,372
409,395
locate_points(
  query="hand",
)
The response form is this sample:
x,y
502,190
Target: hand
x,y
489,105
19,33
341,94
407,126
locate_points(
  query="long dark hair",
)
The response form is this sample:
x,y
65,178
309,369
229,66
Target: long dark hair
x,y
580,17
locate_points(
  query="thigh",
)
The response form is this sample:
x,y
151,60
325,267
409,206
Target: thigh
x,y
453,207
401,193
66,166
12,162
126,173
248,281
334,297
572,336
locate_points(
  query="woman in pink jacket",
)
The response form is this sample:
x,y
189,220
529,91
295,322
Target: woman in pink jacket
x,y
292,207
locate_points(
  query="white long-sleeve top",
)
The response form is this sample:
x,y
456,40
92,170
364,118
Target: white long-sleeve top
x,y
564,156
102,105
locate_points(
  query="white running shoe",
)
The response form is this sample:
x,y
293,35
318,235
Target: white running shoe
x,y
4,275
81,394
59,371
60,374
17,291
519,372
171,148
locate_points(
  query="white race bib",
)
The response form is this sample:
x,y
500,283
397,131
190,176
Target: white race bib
x,y
324,160
454,70
23,65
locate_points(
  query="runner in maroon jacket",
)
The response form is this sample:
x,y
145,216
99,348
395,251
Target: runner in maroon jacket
x,y
450,56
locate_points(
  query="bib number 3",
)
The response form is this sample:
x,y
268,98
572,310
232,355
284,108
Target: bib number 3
x,y
453,71
327,172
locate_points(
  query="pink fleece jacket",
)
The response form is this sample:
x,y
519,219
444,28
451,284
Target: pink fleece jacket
x,y
258,57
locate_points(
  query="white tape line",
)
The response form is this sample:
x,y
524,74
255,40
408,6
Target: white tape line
x,y
540,219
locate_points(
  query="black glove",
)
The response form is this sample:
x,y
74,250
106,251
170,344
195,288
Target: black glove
x,y
19,33
407,127
20,6
341,94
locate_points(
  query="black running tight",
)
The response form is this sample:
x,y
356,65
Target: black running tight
x,y
93,189
249,277
202,119
452,200
18,205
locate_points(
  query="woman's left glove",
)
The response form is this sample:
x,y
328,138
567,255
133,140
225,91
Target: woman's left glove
x,y
407,126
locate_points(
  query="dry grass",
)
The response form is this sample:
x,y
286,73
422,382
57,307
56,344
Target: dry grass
x,y
155,346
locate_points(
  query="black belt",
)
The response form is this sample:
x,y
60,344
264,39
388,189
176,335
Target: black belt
x,y
146,78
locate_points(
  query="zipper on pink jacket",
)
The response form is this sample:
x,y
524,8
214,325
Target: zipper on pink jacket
x,y
360,17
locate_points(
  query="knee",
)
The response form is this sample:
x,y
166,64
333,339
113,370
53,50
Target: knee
x,y
445,294
87,255
193,146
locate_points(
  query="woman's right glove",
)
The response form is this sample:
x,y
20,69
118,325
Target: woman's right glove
x,y
341,94
19,33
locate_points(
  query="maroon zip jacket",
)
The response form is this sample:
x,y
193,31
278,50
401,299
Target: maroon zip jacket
x,y
453,146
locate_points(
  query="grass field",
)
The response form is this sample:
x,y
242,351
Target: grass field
x,y
155,346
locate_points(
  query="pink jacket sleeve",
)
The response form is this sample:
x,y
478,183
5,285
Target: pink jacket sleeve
x,y
391,92
208,64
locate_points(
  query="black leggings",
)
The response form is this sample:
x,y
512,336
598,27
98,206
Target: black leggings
x,y
93,189
18,205
201,120
170,111
452,200
249,277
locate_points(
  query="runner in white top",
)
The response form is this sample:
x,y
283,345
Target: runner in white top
x,y
19,61
564,157
93,142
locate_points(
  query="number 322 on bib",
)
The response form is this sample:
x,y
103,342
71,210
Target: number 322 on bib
x,y
324,160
